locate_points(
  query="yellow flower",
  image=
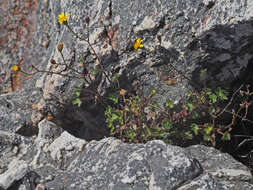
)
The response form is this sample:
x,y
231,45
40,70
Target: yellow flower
x,y
15,68
138,44
122,92
63,18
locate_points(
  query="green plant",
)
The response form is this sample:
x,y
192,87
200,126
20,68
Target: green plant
x,y
77,101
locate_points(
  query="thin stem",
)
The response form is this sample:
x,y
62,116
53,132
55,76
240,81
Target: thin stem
x,y
92,49
231,99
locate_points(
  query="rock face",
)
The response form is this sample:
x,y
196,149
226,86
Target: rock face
x,y
56,160
179,37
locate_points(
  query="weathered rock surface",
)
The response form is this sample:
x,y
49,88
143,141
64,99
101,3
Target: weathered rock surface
x,y
188,35
183,35
16,111
68,162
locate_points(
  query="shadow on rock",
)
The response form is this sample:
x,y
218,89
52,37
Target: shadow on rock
x,y
85,122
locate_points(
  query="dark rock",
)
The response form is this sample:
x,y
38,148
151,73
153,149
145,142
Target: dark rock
x,y
16,111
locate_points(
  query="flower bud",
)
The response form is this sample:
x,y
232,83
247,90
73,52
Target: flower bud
x,y
60,47
52,61
87,20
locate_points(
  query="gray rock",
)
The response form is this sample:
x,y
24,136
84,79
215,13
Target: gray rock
x,y
204,182
222,166
16,111
16,170
111,164
48,131
14,146
180,37
27,37
219,164
68,162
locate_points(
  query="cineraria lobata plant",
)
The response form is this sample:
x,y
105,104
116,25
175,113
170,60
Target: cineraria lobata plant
x,y
135,118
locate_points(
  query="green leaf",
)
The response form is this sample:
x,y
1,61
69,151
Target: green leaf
x,y
222,94
121,121
203,73
208,91
213,98
114,117
78,91
211,110
116,77
207,137
190,106
112,127
153,92
195,128
167,124
195,115
208,129
114,98
131,135
82,59
95,71
162,134
148,132
188,135
155,105
137,98
77,101
226,136
169,104
190,93
108,111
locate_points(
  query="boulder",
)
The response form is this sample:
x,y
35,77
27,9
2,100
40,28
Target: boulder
x,y
59,160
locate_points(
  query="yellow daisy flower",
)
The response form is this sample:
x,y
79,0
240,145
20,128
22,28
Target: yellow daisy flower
x,y
138,44
15,68
63,18
122,92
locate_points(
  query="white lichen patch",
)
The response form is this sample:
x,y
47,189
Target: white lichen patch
x,y
113,147
152,183
165,43
146,24
128,180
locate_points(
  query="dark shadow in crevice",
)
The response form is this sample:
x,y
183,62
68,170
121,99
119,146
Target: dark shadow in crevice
x,y
27,130
227,54
241,144
224,51
85,122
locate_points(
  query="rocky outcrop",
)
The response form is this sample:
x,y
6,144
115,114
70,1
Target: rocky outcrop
x,y
179,37
56,160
